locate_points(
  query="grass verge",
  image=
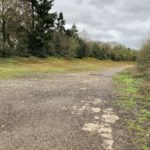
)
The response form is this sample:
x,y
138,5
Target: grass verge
x,y
136,103
16,67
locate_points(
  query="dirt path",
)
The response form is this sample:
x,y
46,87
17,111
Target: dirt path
x,y
60,112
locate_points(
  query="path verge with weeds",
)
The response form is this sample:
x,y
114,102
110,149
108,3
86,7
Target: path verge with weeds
x,y
134,100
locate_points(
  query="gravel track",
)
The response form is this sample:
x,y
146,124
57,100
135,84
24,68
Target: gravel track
x,y
60,112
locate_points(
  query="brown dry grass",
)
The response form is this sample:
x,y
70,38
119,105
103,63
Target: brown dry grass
x,y
15,67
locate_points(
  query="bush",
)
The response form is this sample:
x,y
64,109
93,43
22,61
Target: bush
x,y
144,58
6,52
82,50
64,46
22,50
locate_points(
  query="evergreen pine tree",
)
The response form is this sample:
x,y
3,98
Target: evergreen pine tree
x,y
74,31
43,29
60,24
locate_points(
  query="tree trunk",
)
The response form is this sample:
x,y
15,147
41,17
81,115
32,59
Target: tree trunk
x,y
10,43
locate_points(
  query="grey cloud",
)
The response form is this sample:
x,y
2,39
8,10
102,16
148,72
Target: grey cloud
x,y
100,3
124,21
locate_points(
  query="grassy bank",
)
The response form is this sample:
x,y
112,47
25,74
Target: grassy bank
x,y
16,67
134,99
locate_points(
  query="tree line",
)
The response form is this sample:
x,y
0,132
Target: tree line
x,y
143,59
31,28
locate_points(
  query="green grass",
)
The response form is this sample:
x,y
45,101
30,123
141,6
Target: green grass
x,y
17,67
137,106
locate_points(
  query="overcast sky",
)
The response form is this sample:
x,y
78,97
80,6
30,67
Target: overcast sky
x,y
123,21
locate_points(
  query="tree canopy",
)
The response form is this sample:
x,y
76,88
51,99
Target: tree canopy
x,y
31,28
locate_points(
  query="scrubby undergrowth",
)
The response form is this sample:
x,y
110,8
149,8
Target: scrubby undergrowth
x,y
134,99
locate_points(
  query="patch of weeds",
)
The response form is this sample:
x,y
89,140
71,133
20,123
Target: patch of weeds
x,y
137,105
129,103
145,115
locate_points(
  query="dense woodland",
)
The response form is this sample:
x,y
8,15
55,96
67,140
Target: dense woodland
x,y
31,28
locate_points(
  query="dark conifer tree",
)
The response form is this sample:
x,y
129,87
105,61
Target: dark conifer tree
x,y
60,23
74,31
43,29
